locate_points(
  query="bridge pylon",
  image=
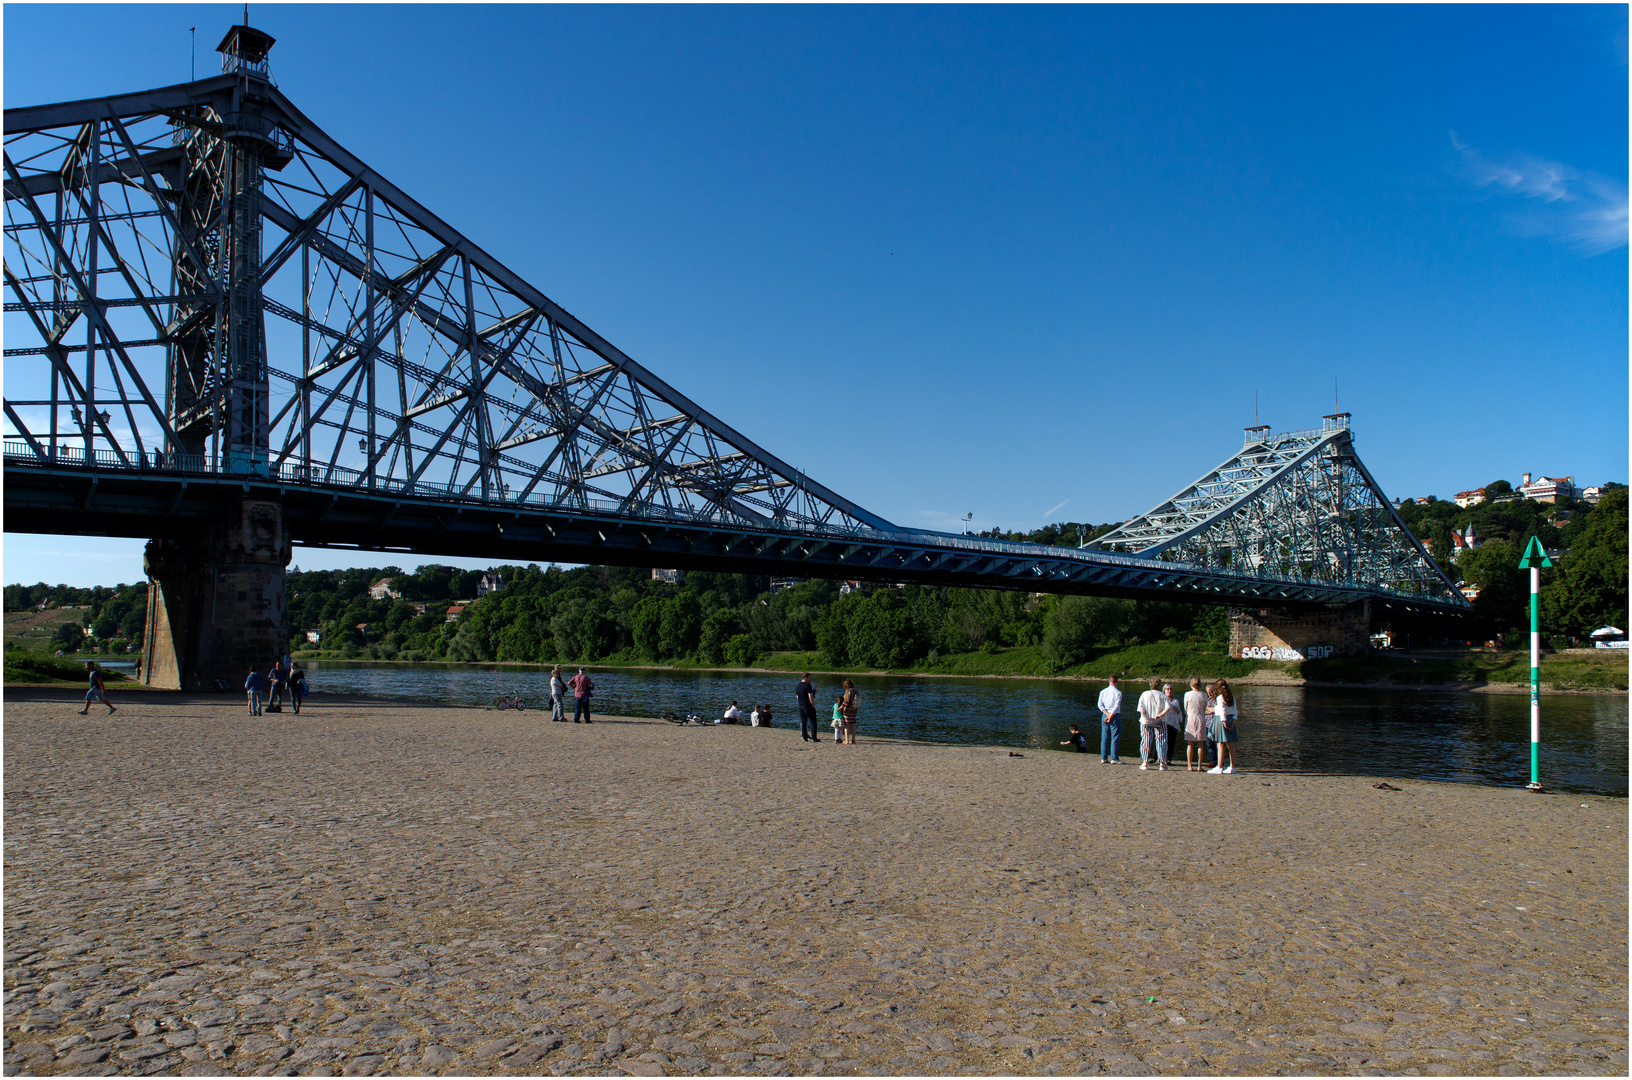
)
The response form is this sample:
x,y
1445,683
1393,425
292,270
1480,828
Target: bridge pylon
x,y
216,600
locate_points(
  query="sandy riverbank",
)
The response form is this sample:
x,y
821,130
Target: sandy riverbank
x,y
378,887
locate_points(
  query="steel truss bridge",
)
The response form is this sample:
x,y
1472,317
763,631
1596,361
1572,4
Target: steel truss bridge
x,y
209,300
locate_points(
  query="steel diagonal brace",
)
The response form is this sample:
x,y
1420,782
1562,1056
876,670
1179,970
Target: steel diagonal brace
x,y
1287,470
89,414
314,137
91,311
22,429
294,238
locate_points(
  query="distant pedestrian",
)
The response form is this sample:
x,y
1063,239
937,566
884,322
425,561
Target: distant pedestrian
x,y
582,688
804,693
558,696
838,719
1222,730
297,686
1078,741
279,678
1153,726
256,686
98,690
1196,702
852,705
1175,724
1110,723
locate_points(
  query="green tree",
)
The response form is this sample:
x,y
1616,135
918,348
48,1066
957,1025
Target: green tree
x,y
682,625
1504,589
718,628
739,651
597,633
646,627
1590,590
1076,625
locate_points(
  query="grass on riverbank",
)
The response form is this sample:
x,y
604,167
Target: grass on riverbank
x,y
1572,672
36,669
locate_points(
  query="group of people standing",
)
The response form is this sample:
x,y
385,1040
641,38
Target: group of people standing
x,y
846,707
582,688
266,692
1205,719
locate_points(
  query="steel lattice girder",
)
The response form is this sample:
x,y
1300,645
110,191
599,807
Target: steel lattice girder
x,y
400,355
1298,506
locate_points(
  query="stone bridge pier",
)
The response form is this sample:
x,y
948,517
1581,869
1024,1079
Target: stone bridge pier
x,y
215,600
1271,634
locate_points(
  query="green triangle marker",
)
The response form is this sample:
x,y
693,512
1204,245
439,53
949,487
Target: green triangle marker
x,y
1534,551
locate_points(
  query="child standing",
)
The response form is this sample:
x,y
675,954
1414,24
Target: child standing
x,y
838,719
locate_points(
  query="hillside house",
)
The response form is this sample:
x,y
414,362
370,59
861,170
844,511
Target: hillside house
x,y
669,577
382,589
1471,497
491,582
1547,489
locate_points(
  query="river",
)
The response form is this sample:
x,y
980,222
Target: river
x,y
1459,737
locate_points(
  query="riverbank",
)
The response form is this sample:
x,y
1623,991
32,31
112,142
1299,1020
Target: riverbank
x,y
380,887
1470,671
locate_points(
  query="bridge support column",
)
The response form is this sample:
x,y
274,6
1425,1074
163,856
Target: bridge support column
x,y
215,601
1269,634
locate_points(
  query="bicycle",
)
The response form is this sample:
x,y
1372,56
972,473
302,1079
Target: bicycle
x,y
689,718
513,701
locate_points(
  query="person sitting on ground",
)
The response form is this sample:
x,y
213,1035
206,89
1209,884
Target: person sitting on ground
x,y
764,716
732,715
1077,740
753,717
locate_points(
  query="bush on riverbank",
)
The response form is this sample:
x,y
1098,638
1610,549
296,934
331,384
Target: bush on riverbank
x,y
27,667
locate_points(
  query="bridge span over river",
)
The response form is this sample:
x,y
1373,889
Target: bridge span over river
x,y
228,335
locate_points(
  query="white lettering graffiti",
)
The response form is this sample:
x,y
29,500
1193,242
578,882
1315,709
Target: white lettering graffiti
x,y
1281,652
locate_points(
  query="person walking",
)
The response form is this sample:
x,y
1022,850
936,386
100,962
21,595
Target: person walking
x,y
1110,725
1175,724
98,690
1222,730
256,686
1196,701
582,687
297,686
279,678
558,695
852,705
1152,726
804,692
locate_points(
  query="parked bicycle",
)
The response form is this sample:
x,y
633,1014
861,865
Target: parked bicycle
x,y
509,701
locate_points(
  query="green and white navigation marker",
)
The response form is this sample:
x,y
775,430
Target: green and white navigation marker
x,y
1535,557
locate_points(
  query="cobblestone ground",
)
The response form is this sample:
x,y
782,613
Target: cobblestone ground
x,y
383,888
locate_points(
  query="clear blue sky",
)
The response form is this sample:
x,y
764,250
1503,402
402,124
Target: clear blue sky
x,y
1031,263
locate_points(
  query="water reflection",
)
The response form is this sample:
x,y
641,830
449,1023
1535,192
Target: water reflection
x,y
1467,738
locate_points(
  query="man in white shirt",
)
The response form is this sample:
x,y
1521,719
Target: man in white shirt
x,y
1110,725
1153,725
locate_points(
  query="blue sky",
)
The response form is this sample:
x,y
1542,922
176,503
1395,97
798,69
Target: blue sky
x,y
1030,263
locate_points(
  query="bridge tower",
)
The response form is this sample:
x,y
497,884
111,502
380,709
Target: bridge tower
x,y
216,598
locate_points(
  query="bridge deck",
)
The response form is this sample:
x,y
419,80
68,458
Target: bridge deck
x,y
169,496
